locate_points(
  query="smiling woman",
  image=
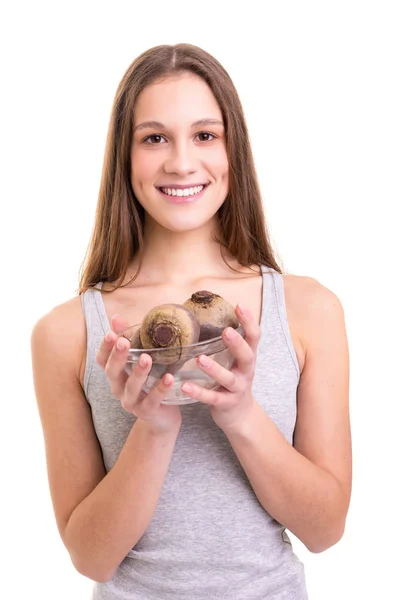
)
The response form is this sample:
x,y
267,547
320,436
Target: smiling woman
x,y
160,501
187,129
176,155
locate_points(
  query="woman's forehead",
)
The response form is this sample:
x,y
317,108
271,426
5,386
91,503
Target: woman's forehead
x,y
185,98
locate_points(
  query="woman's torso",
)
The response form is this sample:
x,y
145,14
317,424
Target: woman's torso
x,y
209,537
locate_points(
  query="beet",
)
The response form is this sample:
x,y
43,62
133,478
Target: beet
x,y
212,312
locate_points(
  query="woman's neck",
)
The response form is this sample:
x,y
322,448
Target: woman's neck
x,y
178,257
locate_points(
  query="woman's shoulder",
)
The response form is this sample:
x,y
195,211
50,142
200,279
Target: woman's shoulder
x,y
307,294
63,317
63,332
310,306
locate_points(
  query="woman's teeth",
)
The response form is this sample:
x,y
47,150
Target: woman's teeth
x,y
185,192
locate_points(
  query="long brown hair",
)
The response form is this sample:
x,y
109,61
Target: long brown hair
x,y
118,231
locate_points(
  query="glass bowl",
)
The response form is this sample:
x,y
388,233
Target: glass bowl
x,y
181,363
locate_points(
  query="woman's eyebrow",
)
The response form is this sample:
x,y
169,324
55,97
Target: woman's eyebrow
x,y
158,125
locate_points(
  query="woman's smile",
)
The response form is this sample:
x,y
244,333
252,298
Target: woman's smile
x,y
186,195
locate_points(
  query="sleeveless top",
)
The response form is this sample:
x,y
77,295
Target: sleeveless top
x,y
210,538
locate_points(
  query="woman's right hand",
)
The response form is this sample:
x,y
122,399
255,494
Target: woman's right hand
x,y
111,357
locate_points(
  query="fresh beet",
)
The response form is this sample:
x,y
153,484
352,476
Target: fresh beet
x,y
212,312
169,326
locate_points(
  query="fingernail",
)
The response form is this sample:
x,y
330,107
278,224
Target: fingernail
x,y
186,387
109,337
204,361
241,309
142,361
229,334
168,379
121,344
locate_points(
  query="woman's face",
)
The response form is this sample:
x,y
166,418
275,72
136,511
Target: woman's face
x,y
178,147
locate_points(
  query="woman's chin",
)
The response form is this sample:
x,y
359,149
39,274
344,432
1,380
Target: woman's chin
x,y
185,225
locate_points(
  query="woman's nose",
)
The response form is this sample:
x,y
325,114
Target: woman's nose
x,y
181,160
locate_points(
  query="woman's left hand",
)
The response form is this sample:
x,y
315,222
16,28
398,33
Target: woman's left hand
x,y
233,401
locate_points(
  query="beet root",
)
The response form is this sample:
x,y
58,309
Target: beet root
x,y
213,313
169,326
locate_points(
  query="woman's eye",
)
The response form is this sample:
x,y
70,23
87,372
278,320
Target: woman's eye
x,y
156,139
206,135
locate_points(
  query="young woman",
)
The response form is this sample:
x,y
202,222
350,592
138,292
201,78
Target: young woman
x,y
193,502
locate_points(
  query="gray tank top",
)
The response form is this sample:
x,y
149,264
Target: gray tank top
x,y
210,538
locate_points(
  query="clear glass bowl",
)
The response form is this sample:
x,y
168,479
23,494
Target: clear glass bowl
x,y
181,362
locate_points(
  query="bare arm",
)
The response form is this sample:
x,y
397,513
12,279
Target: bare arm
x,y
104,527
100,516
307,487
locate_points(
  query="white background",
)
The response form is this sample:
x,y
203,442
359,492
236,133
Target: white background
x,y
319,82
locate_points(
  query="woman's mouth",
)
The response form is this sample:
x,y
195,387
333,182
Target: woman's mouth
x,y
182,195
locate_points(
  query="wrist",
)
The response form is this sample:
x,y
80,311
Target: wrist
x,y
158,430
243,425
